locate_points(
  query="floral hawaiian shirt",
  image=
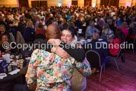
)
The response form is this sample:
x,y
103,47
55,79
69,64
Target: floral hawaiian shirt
x,y
49,72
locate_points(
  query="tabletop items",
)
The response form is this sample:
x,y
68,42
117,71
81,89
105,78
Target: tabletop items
x,y
9,62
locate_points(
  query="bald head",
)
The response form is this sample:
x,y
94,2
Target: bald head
x,y
53,32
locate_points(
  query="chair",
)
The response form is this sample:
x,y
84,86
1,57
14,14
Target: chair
x,y
94,58
115,59
20,38
12,38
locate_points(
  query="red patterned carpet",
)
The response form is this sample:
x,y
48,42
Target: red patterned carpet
x,y
113,80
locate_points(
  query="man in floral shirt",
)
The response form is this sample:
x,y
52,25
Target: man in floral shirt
x,y
49,72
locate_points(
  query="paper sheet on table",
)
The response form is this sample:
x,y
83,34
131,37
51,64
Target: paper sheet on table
x,y
100,39
3,75
14,72
104,42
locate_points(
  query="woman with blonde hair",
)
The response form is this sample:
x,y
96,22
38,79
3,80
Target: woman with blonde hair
x,y
29,23
29,32
107,33
49,72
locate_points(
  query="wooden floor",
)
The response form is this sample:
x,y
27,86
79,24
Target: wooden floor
x,y
113,80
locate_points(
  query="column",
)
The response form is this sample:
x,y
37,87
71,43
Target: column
x,y
80,3
29,3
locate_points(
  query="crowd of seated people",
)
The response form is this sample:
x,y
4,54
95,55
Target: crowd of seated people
x,y
60,25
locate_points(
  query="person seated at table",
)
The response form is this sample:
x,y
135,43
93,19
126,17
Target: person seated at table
x,y
90,30
119,22
5,48
11,25
124,29
68,37
47,71
2,31
107,33
112,25
21,26
96,45
82,40
119,38
40,29
29,32
132,32
2,22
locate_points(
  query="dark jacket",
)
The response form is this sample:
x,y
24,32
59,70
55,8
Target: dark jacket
x,y
29,34
21,27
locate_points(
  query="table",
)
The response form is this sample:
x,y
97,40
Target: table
x,y
8,82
